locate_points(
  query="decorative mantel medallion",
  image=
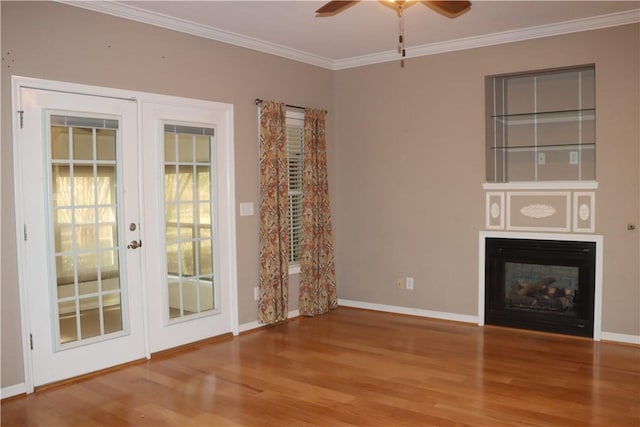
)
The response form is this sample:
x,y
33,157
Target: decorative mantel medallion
x,y
538,211
584,212
584,205
495,211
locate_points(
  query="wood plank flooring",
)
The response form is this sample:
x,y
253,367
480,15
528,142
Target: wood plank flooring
x,y
362,368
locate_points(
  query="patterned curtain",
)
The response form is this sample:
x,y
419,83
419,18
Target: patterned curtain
x,y
317,272
274,231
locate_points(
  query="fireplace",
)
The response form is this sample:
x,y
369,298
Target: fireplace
x,y
544,285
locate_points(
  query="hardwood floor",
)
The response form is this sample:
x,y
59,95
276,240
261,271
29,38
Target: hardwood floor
x,y
357,367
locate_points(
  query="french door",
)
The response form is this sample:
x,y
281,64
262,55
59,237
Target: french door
x,y
188,225
79,181
127,205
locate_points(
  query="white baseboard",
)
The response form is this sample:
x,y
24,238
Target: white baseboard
x,y
13,390
410,311
624,338
606,336
256,324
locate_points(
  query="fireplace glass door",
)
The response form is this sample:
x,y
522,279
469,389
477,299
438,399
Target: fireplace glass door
x,y
541,285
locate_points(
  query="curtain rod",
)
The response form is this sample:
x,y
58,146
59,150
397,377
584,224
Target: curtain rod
x,y
259,101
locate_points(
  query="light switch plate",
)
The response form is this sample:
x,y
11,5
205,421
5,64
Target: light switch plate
x,y
246,209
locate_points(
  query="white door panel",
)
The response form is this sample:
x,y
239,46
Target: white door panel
x,y
78,166
187,222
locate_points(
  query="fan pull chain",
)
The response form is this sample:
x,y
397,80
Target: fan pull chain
x,y
401,48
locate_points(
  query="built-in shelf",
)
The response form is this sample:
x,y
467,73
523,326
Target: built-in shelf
x,y
552,147
541,126
545,117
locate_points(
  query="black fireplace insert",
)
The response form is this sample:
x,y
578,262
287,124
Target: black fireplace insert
x,y
544,285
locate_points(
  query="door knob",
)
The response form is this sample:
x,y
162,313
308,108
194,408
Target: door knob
x,y
135,244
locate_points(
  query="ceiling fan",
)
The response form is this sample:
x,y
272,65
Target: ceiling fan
x,y
450,9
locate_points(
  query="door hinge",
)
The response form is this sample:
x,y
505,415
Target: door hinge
x,y
31,341
21,112
25,232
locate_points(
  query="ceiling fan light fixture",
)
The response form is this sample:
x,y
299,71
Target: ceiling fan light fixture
x,y
450,9
398,5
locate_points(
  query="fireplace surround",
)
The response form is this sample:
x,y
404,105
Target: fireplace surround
x,y
544,282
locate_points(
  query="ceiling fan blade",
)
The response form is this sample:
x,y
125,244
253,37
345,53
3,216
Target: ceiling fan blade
x,y
449,9
334,7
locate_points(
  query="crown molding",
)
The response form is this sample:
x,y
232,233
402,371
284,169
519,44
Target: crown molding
x,y
161,20
556,29
566,27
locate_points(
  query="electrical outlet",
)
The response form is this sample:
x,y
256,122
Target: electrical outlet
x,y
573,157
400,283
542,158
409,283
256,293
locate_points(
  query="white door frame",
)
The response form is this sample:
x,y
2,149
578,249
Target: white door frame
x,y
163,333
19,82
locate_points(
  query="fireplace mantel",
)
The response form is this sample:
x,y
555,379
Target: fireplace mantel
x,y
597,239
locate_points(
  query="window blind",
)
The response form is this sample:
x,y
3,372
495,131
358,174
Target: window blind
x,y
83,122
190,130
294,149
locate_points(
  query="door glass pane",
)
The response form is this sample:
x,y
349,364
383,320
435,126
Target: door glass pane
x,y
203,148
106,144
204,183
85,227
169,147
204,250
67,321
175,298
59,142
83,143
107,228
185,183
83,185
90,322
88,287
110,282
189,241
185,147
112,313
61,183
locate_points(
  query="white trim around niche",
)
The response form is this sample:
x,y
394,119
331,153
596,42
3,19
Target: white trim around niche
x,y
540,185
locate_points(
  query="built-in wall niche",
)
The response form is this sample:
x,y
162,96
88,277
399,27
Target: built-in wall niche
x,y
541,126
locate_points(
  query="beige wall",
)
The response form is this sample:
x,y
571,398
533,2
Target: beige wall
x,y
410,167
405,149
59,42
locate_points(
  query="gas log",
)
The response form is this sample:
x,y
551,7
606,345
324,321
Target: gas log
x,y
541,295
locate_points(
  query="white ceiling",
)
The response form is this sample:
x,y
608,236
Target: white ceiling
x,y
368,32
